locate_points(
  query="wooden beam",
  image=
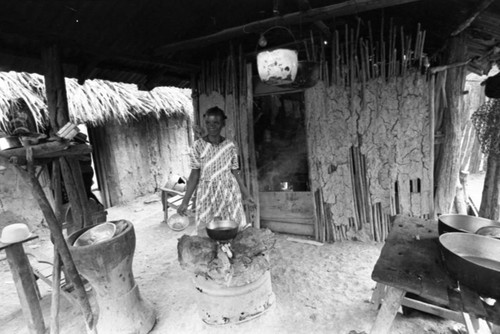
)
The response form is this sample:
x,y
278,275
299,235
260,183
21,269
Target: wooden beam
x,y
305,6
316,14
480,8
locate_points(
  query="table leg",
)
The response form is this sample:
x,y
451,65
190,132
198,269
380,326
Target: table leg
x,y
475,325
390,306
25,285
378,294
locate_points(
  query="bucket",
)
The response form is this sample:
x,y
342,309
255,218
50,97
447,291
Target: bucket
x,y
220,305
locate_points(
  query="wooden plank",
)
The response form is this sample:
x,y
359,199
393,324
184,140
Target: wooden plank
x,y
281,227
390,306
433,309
287,206
25,285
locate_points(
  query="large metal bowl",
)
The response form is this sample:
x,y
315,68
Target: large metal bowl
x,y
10,142
462,223
222,230
473,260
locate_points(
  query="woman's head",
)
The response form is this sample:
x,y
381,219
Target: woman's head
x,y
215,120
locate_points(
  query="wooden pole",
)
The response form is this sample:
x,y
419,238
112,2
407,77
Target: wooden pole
x,y
55,88
25,284
74,197
56,292
327,12
254,189
448,159
61,246
480,8
432,125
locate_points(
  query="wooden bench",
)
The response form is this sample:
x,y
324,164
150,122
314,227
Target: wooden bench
x,y
410,263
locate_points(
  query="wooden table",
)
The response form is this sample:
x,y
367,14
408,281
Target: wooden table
x,y
25,284
410,262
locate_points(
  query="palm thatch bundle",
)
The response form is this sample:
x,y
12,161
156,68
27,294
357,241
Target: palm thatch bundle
x,y
94,102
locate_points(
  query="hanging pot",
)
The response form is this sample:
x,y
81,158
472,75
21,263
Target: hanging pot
x,y
277,67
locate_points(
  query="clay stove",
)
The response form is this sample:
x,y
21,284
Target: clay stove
x,y
231,287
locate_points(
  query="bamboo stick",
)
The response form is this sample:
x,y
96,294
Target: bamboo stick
x,y
355,201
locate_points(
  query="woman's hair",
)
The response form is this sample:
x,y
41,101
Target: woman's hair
x,y
216,111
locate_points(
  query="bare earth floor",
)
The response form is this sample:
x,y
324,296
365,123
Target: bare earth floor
x,y
319,289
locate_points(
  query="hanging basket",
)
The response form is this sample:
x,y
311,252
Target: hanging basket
x,y
277,67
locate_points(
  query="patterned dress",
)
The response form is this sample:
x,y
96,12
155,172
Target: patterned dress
x,y
218,193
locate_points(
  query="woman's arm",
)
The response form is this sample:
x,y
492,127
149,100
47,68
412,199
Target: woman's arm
x,y
192,183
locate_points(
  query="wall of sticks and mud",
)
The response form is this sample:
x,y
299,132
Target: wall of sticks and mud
x,y
369,154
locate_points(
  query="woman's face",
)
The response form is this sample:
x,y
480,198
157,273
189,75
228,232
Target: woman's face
x,y
214,124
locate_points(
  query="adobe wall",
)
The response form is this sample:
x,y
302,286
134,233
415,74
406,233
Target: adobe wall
x,y
389,123
142,155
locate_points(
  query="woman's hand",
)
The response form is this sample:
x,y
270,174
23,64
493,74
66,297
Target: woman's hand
x,y
182,209
250,202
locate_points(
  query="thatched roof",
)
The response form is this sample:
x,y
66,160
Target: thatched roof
x,y
94,102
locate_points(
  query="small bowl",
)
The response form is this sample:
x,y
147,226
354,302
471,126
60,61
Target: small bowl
x,y
14,233
96,234
177,222
222,230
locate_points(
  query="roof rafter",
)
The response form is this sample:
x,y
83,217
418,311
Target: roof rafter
x,y
316,14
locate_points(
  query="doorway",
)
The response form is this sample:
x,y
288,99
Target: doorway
x,y
286,202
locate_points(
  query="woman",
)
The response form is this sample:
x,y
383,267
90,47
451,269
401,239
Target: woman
x,y
214,170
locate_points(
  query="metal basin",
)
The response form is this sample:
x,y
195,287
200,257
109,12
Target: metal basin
x,y
473,260
7,143
222,230
462,223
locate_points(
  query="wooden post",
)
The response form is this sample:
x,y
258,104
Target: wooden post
x,y
447,163
55,88
25,285
432,126
254,184
61,246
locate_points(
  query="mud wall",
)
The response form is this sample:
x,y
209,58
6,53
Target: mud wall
x,y
385,125
139,157
17,204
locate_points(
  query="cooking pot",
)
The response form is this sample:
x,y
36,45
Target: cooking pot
x,y
473,260
7,143
462,223
222,230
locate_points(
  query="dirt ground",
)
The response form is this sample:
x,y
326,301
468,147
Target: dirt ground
x,y
319,289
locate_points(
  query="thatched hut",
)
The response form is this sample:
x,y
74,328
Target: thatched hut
x,y
139,138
